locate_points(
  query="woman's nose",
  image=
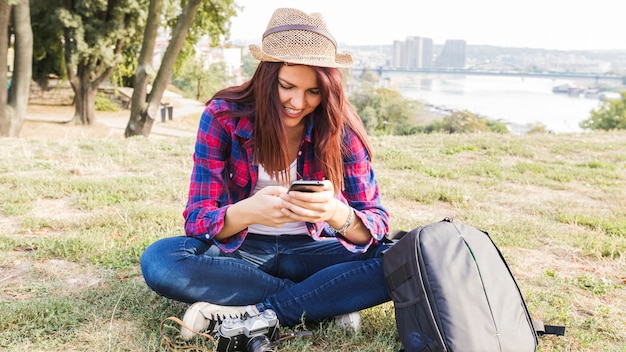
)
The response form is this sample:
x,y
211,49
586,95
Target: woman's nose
x,y
297,100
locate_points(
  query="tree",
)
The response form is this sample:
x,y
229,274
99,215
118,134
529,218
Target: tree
x,y
610,115
93,35
214,22
199,82
48,57
384,109
13,106
144,67
369,76
249,65
5,11
462,121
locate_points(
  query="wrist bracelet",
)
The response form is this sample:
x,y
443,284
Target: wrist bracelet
x,y
345,226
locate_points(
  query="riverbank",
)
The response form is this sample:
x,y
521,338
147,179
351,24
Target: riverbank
x,y
518,102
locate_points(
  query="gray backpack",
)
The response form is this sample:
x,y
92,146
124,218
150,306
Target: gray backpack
x,y
453,291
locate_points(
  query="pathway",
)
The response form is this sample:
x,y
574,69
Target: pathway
x,y
117,121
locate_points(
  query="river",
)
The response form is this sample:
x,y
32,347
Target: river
x,y
517,101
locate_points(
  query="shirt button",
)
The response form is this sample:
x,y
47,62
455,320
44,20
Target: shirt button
x,y
230,175
299,152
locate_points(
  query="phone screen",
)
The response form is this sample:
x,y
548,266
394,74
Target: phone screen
x,y
306,186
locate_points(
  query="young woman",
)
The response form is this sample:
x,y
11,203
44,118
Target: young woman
x,y
252,244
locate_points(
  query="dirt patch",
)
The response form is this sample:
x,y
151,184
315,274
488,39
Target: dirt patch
x,y
24,279
567,262
7,224
57,209
73,276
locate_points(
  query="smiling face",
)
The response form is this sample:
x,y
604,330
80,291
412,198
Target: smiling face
x,y
298,92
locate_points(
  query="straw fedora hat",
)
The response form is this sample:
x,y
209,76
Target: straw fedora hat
x,y
295,37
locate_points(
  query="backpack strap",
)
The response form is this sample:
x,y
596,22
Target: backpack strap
x,y
543,329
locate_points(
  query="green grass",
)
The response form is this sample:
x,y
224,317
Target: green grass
x,y
76,213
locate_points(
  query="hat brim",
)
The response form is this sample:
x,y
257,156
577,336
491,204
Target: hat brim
x,y
341,60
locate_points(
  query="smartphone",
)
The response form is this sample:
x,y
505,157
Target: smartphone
x,y
306,186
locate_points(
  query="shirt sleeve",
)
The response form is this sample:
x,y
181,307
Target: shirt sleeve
x,y
208,197
362,193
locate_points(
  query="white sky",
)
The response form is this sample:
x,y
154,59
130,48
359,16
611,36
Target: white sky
x,y
547,24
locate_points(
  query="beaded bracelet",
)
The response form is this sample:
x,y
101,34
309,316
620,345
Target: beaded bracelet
x,y
345,226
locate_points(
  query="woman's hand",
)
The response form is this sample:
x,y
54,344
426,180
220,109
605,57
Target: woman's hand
x,y
310,206
265,207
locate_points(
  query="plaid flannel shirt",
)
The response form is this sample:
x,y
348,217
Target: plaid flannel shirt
x,y
224,173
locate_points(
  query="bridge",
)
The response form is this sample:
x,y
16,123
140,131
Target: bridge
x,y
394,72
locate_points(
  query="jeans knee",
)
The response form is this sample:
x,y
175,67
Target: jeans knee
x,y
154,263
147,269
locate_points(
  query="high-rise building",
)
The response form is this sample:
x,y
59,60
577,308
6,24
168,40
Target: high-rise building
x,y
452,55
398,50
414,52
418,52
427,53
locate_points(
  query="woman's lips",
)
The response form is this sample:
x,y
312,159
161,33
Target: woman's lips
x,y
292,112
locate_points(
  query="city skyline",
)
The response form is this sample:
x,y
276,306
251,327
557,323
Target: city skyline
x,y
553,25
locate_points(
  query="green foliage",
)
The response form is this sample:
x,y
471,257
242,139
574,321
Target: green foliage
x,y
369,118
124,73
212,21
496,126
537,128
249,65
48,57
611,115
199,83
384,110
369,77
104,103
366,104
89,30
91,35
466,122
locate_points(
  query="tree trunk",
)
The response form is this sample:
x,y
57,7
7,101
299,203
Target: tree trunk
x,y
85,96
23,69
141,124
91,71
5,11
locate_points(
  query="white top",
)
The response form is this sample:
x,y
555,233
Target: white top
x,y
290,228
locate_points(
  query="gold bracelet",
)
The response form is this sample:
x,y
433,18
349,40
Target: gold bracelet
x,y
345,226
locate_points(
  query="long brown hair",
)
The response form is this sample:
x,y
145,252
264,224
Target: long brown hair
x,y
260,96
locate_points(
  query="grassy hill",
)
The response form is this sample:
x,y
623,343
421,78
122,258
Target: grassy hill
x,y
78,206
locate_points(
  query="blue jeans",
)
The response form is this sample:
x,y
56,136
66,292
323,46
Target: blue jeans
x,y
293,275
